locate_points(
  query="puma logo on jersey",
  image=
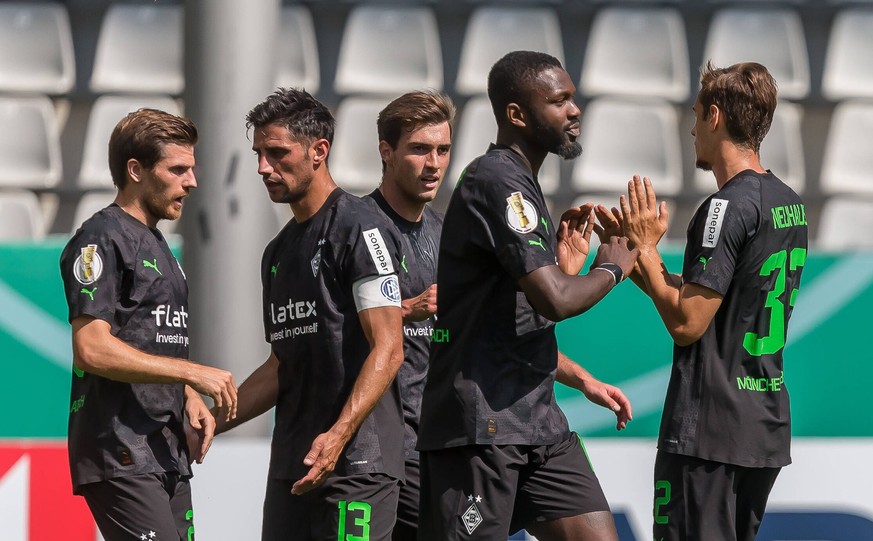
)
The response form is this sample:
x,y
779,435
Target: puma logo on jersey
x,y
403,264
704,260
89,293
545,223
536,242
275,268
152,265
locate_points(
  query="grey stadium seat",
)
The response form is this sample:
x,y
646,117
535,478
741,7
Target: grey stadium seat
x,y
30,148
36,48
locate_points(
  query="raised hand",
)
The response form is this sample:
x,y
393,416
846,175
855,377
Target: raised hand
x,y
645,221
574,238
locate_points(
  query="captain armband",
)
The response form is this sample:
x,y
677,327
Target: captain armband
x,y
376,292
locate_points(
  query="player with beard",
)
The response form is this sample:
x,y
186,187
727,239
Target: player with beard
x,y
132,383
497,453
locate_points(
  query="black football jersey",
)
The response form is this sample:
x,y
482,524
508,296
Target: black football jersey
x,y
418,263
118,270
312,325
493,358
727,400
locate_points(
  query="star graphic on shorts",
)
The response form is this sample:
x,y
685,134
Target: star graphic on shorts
x,y
470,498
478,499
143,537
152,534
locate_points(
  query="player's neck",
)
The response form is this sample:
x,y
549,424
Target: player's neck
x,y
735,160
320,189
409,210
533,157
134,206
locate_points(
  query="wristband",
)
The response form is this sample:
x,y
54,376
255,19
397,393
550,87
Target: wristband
x,y
613,269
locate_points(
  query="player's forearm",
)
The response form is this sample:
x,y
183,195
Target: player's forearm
x,y
570,373
257,394
558,296
111,358
664,289
377,373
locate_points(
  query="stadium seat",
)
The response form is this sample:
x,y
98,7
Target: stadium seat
x,y
624,138
781,151
389,50
30,148
493,31
354,159
772,36
20,216
637,51
845,224
37,48
297,63
105,114
476,129
848,161
848,67
140,50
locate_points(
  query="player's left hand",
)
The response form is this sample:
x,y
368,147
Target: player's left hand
x,y
645,221
322,458
610,397
199,428
574,236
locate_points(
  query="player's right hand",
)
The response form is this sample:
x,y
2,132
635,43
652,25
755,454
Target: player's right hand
x,y
217,384
617,251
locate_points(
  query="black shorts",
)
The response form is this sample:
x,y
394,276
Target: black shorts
x,y
406,528
342,508
700,500
466,492
148,506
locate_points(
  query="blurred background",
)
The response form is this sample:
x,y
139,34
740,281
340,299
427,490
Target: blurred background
x,y
70,70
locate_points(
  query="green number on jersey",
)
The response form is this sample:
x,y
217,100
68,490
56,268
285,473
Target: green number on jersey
x,y
661,500
363,522
775,339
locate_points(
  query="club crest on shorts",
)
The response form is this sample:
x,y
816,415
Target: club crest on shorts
x,y
88,267
521,216
472,517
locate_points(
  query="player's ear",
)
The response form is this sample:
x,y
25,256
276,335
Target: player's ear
x,y
134,170
714,117
385,151
516,115
319,150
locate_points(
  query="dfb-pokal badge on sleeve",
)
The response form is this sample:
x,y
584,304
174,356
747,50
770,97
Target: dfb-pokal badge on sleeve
x,y
88,266
521,216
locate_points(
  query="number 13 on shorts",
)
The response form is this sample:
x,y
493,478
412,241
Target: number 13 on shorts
x,y
358,513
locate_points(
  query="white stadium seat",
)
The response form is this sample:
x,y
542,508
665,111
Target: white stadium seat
x,y
36,48
140,50
848,161
30,148
771,36
848,67
297,63
624,138
389,50
637,51
493,31
20,216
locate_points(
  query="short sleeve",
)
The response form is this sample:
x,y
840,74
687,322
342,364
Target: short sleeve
x,y
91,267
717,235
515,224
373,249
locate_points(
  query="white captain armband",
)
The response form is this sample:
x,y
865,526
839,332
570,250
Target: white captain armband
x,y
376,292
